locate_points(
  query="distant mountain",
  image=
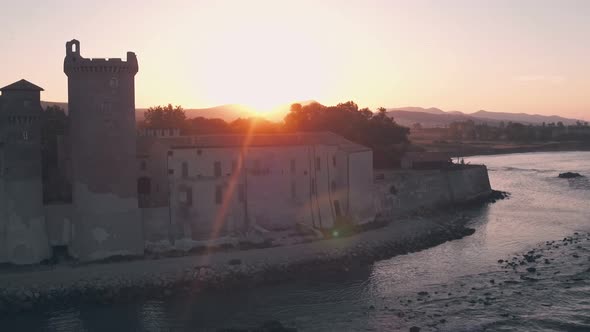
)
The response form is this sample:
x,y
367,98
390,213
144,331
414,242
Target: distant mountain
x,y
435,117
522,117
408,118
228,112
431,110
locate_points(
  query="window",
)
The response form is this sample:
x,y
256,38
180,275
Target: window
x,y
293,166
334,161
318,164
170,132
333,185
218,195
313,187
199,152
143,165
234,166
25,135
293,190
241,193
217,168
186,196
114,83
337,208
27,103
189,196
184,169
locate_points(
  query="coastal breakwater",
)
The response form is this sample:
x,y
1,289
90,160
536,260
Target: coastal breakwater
x,y
26,289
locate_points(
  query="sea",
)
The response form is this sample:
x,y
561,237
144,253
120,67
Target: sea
x,y
526,268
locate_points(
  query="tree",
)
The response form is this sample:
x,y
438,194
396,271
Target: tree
x,y
375,130
165,117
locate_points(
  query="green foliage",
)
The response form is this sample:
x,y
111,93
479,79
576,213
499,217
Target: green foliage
x,y
165,117
518,132
376,130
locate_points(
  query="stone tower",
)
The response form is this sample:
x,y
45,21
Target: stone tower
x,y
23,232
101,103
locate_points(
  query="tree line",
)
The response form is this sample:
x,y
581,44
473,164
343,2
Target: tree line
x,y
376,130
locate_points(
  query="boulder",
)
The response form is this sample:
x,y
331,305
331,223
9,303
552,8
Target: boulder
x,y
569,175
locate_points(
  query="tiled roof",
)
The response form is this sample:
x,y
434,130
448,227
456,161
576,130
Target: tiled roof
x,y
22,85
309,138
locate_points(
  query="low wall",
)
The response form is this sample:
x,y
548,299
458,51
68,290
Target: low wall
x,y
59,224
399,192
156,225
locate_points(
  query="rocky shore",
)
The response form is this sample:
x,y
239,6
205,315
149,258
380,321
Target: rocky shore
x,y
530,282
181,276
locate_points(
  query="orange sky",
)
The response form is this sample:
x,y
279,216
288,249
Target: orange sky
x,y
465,55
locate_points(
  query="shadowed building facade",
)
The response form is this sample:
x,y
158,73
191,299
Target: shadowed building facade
x,y
23,233
101,101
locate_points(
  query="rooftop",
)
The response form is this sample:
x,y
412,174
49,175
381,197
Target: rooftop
x,y
257,140
22,85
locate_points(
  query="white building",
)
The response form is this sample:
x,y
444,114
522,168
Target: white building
x,y
222,184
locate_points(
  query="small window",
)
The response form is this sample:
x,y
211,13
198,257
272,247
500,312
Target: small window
x,y
199,152
143,165
25,135
27,103
337,208
334,187
170,153
217,168
218,195
184,169
189,197
293,170
170,171
293,190
318,164
334,161
186,196
114,83
234,166
241,193
313,187
170,132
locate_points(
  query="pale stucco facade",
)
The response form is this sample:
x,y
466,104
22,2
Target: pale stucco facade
x,y
227,184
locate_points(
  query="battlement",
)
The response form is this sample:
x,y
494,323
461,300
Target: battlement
x,y
75,63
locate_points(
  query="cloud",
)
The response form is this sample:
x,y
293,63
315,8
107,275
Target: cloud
x,y
553,79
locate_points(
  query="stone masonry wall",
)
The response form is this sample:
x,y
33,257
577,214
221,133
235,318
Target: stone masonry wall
x,y
402,191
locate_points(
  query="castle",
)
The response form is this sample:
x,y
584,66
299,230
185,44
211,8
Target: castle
x,y
130,190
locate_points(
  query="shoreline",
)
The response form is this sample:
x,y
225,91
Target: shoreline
x,y
168,277
470,150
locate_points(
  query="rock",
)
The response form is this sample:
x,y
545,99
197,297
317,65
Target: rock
x,y
422,293
235,261
569,175
531,270
414,329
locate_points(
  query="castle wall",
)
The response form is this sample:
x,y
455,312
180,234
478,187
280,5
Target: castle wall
x,y
23,231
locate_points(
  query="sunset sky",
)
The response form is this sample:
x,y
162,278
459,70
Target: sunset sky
x,y
507,56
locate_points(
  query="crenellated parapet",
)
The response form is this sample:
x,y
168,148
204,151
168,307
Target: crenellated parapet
x,y
75,63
